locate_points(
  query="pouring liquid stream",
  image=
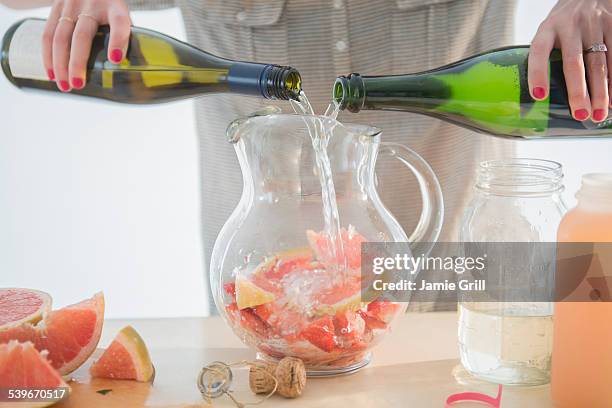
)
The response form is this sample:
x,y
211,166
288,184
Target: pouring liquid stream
x,y
320,133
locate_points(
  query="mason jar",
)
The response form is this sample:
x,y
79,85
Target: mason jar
x,y
516,202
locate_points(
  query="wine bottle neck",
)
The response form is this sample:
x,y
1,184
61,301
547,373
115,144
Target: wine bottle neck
x,y
269,81
418,92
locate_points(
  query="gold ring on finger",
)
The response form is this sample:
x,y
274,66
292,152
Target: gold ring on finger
x,y
67,19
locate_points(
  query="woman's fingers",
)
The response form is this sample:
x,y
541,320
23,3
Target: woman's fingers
x,y
597,74
61,51
47,39
84,32
575,76
539,53
608,40
120,28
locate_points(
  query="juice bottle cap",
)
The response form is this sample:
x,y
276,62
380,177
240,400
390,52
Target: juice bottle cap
x,y
596,191
601,181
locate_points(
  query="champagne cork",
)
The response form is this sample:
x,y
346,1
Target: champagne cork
x,y
261,377
290,374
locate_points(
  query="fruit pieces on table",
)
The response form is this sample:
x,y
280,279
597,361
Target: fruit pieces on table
x,y
127,358
24,367
250,295
70,335
18,306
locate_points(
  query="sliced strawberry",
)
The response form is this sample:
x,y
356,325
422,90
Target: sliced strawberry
x,y
349,326
372,323
250,321
230,289
263,311
383,310
321,334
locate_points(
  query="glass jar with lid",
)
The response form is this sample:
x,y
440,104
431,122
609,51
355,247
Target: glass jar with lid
x,y
516,201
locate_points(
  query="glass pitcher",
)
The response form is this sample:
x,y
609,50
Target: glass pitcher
x,y
270,272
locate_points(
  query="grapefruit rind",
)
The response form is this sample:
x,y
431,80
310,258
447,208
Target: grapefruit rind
x,y
250,295
23,306
127,347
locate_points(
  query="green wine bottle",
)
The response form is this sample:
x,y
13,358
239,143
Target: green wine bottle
x,y
156,68
487,93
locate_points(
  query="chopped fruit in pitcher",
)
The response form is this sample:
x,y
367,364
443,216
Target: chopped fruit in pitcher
x,y
248,294
304,304
351,245
372,323
248,320
383,310
321,333
263,312
349,326
230,289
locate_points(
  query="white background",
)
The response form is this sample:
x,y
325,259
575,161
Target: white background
x,y
95,196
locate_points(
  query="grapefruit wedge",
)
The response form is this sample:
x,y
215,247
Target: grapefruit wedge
x,y
250,295
127,358
18,306
69,335
22,367
351,244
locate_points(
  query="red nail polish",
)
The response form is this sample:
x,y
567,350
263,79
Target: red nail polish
x,y
77,83
539,92
116,56
581,114
598,115
51,74
64,86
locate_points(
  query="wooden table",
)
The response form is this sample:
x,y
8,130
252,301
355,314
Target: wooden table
x,y
415,366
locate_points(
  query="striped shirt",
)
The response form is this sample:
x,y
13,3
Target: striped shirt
x,y
327,38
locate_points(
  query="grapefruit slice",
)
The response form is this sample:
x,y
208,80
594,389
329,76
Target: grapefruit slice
x,y
24,367
18,306
339,298
250,295
351,243
269,273
69,335
127,358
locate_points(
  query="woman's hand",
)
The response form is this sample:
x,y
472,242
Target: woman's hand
x,y
573,26
69,33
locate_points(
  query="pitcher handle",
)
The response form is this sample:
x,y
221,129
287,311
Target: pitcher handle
x,y
429,226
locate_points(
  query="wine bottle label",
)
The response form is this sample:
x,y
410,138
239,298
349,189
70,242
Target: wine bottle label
x,y
25,51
